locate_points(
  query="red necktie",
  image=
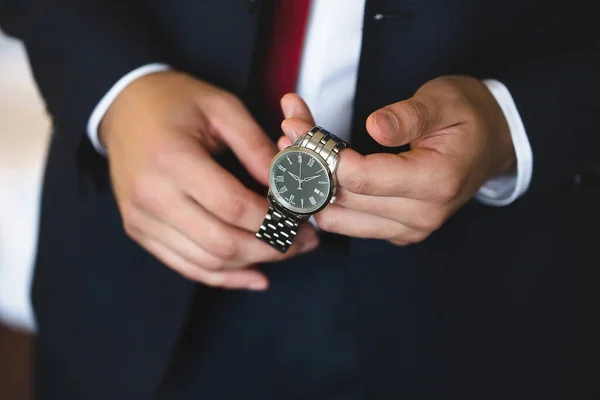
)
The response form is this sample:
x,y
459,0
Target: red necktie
x,y
285,48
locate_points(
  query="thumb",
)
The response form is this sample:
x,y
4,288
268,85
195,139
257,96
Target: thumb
x,y
298,118
400,123
293,106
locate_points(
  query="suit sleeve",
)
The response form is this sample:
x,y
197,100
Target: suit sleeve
x,y
78,50
555,83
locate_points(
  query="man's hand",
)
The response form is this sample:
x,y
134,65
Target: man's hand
x,y
459,138
161,134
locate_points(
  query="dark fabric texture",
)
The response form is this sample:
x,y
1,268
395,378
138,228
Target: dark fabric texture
x,y
499,303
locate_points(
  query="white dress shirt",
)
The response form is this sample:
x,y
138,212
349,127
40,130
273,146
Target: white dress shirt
x,y
334,33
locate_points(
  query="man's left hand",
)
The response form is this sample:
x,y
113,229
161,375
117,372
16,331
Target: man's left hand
x,y
458,137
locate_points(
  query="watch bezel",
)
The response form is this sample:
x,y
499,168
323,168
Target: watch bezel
x,y
281,201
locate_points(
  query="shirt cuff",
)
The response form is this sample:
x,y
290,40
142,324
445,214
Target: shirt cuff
x,y
504,189
110,96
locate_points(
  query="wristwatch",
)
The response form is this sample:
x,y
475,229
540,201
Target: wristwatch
x,y
302,182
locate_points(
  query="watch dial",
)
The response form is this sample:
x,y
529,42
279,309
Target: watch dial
x,y
300,181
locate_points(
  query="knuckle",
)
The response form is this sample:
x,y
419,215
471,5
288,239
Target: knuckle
x,y
413,238
131,231
450,189
139,192
418,237
131,221
214,263
225,99
327,221
233,209
433,224
414,113
398,242
230,98
449,87
225,249
143,193
447,82
430,222
220,243
358,185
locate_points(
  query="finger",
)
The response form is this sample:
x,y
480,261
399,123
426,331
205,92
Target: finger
x,y
187,247
420,174
403,122
294,127
283,142
236,279
245,137
227,242
293,106
337,219
233,246
415,214
220,192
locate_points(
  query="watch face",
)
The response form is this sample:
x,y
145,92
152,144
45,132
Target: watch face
x,y
300,180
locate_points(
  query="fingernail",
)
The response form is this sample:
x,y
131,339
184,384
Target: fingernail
x,y
289,131
386,123
393,121
257,286
287,108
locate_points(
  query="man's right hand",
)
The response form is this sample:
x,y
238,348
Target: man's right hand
x,y
161,134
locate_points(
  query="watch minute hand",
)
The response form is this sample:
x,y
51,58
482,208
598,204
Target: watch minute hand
x,y
310,178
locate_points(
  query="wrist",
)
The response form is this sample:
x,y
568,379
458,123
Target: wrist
x,y
103,130
505,159
510,164
93,123
504,189
124,103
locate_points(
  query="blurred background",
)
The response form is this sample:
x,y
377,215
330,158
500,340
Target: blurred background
x,y
24,134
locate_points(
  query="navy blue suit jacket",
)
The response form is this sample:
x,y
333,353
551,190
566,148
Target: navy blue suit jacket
x,y
499,303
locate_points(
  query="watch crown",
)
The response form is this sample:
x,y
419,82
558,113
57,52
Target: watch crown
x,y
332,200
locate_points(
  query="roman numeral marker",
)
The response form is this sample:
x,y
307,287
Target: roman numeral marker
x,y
311,162
302,203
300,158
291,199
283,190
323,182
312,200
279,178
290,161
281,168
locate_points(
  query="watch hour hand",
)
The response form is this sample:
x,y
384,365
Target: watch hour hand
x,y
294,176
